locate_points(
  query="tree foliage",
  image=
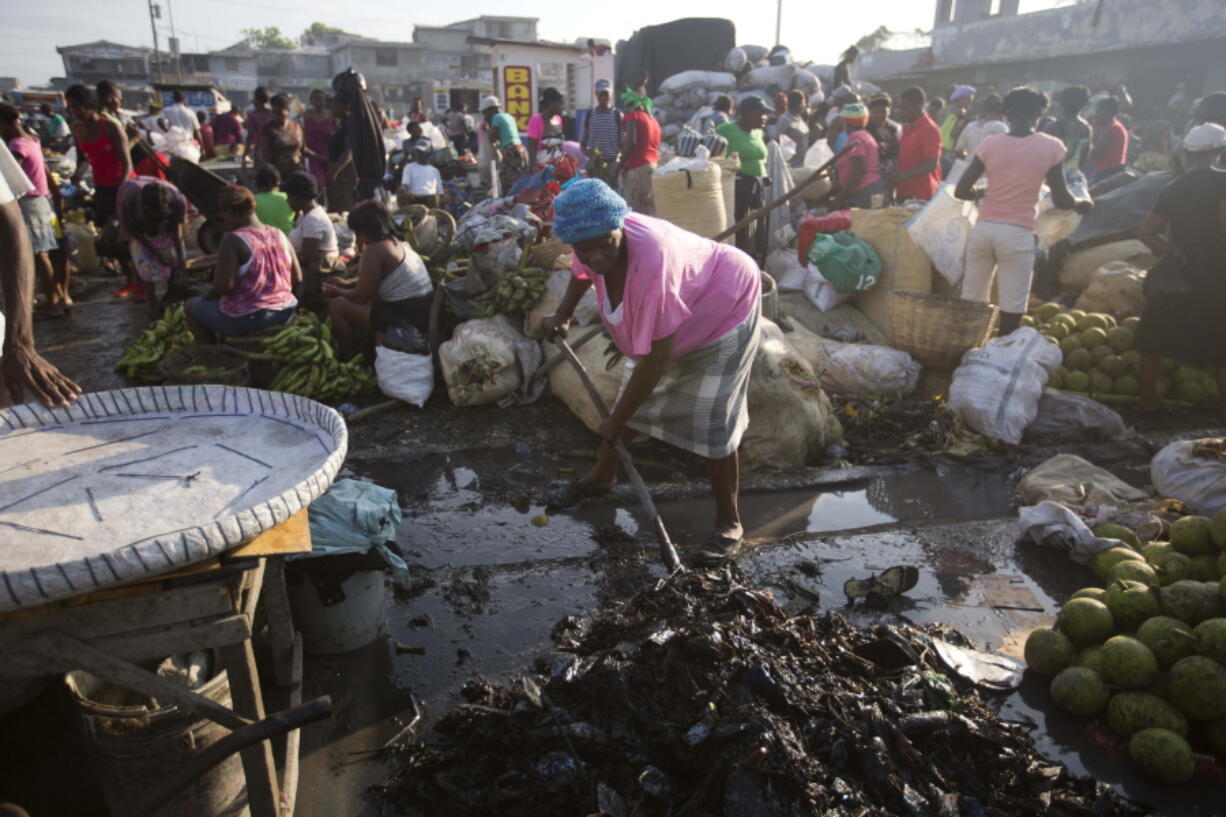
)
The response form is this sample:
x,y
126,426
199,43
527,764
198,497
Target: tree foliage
x,y
269,37
323,28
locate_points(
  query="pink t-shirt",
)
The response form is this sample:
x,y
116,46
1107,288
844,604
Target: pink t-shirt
x,y
677,282
536,126
863,145
1016,167
28,151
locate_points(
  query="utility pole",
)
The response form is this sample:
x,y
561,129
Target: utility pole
x,y
779,22
174,38
154,14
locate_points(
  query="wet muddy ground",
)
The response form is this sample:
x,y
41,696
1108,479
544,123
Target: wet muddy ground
x,y
487,584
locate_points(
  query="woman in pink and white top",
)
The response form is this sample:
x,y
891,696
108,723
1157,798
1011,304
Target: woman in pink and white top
x,y
859,168
545,126
257,270
1002,241
685,311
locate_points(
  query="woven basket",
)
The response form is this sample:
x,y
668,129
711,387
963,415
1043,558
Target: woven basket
x,y
691,199
175,364
937,330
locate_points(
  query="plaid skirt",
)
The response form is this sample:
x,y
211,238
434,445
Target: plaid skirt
x,y
701,404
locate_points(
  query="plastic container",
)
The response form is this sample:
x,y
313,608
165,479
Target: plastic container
x,y
136,747
83,238
337,601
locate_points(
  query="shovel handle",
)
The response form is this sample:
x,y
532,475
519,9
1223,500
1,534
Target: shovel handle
x,y
668,553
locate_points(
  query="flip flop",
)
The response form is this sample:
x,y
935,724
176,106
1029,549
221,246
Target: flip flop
x,y
893,581
717,550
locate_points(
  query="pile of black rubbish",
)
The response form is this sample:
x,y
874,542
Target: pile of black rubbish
x,y
701,697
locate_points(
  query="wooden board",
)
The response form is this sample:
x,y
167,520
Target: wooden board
x,y
291,536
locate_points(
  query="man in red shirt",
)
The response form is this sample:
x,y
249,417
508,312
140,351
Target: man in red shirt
x,y
1110,152
919,150
641,153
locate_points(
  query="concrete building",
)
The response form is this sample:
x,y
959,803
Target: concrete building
x,y
522,70
395,71
1150,46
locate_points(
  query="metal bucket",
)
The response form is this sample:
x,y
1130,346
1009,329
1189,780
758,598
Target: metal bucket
x,y
135,747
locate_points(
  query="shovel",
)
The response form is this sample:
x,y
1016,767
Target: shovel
x,y
668,553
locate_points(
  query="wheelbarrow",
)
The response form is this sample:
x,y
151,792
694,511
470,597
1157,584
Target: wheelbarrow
x,y
200,187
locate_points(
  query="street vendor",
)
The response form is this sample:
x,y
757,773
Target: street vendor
x,y
37,212
318,126
313,237
918,173
745,140
152,215
545,133
510,156
1002,241
602,132
685,311
1185,292
641,152
858,170
102,146
393,284
253,286
282,143
421,183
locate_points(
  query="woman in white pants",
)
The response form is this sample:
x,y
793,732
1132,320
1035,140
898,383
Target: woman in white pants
x,y
1002,241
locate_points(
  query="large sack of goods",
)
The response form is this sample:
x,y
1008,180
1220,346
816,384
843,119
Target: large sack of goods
x,y
997,388
904,266
709,80
790,417
1080,265
1194,472
568,387
1055,225
482,361
1114,289
690,194
855,368
586,311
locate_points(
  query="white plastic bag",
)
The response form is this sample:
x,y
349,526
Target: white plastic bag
x,y
1194,472
941,230
405,376
821,293
786,269
996,389
1053,525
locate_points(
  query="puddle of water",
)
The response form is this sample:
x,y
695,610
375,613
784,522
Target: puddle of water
x,y
911,497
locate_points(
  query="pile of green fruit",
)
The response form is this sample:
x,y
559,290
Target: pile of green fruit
x,y
514,293
142,360
310,366
1148,649
1100,361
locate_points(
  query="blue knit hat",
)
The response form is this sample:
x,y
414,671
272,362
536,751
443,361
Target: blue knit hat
x,y
587,209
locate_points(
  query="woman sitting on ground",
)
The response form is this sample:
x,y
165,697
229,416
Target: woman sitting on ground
x,y
313,236
152,215
253,286
393,284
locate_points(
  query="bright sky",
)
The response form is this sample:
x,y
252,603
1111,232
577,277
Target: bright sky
x,y
816,31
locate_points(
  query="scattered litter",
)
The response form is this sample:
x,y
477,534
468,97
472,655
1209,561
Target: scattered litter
x,y
702,697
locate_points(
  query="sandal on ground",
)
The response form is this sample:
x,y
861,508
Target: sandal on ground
x,y
892,582
572,492
718,549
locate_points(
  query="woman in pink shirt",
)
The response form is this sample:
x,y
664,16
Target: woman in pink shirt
x,y
685,312
859,168
1002,240
545,128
